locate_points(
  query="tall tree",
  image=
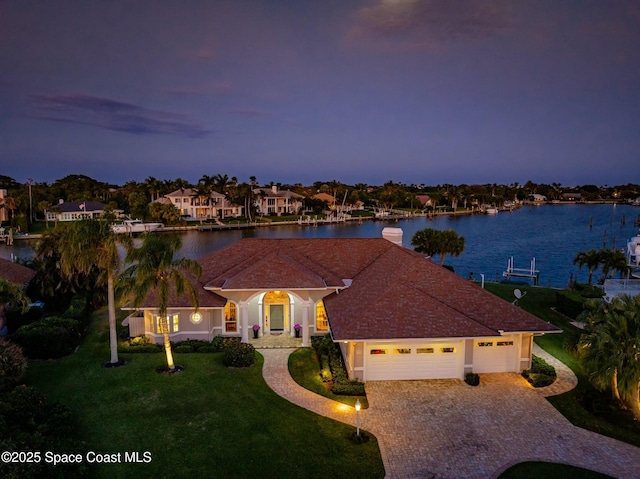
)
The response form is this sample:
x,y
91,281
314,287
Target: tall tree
x,y
431,242
610,348
90,244
591,259
613,260
154,268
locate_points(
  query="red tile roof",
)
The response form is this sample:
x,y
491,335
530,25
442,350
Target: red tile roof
x,y
395,293
15,273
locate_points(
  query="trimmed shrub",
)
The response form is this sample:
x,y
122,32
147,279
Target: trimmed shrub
x,y
220,343
139,344
472,379
206,349
16,318
541,373
239,355
49,338
13,364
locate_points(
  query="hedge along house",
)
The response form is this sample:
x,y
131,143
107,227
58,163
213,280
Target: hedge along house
x,y
395,314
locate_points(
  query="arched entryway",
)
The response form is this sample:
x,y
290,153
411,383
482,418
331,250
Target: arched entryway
x,y
276,311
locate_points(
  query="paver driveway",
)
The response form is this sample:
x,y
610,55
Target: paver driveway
x,y
447,429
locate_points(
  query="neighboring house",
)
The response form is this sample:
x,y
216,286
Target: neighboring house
x,y
395,314
572,196
271,201
194,206
536,198
425,200
76,210
17,274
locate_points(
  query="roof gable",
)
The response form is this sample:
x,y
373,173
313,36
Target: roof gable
x,y
15,273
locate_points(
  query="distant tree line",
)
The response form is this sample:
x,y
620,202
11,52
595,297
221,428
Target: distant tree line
x,y
27,202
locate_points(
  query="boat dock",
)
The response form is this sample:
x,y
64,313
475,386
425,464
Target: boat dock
x,y
513,272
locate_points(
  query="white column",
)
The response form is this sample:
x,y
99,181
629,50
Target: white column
x,y
244,318
305,323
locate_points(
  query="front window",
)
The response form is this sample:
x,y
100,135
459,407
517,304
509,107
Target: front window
x,y
173,323
230,317
321,317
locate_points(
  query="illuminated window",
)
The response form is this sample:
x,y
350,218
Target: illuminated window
x,y
402,351
505,343
196,318
448,350
230,317
173,323
321,317
378,351
425,350
485,344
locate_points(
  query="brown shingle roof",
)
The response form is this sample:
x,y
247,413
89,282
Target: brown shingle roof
x,y
206,299
395,292
15,273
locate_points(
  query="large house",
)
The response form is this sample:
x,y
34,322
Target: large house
x,y
395,314
75,211
195,206
272,200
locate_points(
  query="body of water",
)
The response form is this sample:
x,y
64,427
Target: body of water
x,y
552,234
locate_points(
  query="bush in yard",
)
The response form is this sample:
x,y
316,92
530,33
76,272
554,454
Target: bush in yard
x,y
183,348
348,388
16,318
139,344
13,364
541,373
472,379
49,338
570,303
239,355
220,343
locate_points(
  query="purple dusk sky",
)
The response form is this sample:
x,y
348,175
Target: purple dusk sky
x,y
417,91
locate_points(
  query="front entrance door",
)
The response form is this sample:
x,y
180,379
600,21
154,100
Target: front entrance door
x,y
276,312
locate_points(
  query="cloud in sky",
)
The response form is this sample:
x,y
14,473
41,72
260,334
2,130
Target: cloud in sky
x,y
115,115
428,24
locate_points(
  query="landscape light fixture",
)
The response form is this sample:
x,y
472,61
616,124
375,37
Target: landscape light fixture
x,y
358,417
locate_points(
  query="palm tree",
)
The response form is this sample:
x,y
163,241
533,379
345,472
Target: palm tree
x,y
589,258
609,350
613,260
155,269
90,244
451,244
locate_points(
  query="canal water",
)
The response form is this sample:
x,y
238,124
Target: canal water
x,y
552,234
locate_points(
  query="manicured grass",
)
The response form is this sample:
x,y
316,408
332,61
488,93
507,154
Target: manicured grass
x,y
610,421
305,370
540,470
208,421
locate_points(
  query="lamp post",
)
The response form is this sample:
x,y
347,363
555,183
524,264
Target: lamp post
x,y
358,417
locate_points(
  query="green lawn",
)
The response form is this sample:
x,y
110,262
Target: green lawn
x,y
304,369
208,421
543,470
610,421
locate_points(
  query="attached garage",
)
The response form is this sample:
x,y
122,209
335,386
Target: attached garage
x,y
413,360
495,355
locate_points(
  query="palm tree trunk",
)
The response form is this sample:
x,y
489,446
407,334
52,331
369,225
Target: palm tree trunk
x,y
442,255
635,402
113,335
614,386
167,342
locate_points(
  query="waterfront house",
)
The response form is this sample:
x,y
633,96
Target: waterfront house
x,y
194,206
394,313
75,211
536,198
272,200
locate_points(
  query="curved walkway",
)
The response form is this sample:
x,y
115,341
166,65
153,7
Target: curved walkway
x,y
447,429
565,381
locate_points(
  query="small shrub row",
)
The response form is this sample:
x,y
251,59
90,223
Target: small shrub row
x,y
239,355
220,343
332,367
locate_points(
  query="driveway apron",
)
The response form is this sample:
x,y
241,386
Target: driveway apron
x,y
448,429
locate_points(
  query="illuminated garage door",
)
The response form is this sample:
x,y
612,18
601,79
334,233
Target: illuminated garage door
x,y
494,355
413,361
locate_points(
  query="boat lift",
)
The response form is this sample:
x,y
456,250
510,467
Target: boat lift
x,y
531,273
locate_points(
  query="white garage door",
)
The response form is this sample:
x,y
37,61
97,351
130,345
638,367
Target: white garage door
x,y
494,355
413,361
